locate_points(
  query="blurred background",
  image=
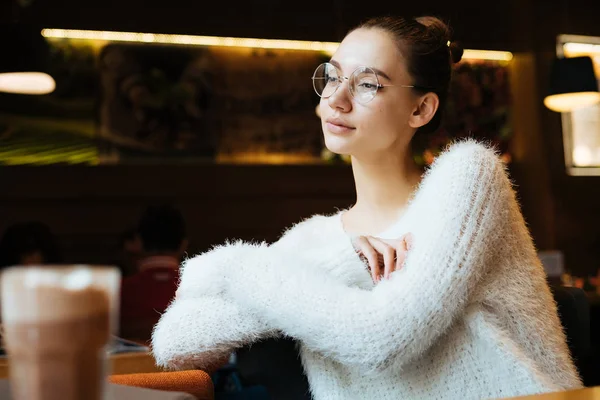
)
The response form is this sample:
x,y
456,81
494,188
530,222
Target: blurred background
x,y
230,134
162,103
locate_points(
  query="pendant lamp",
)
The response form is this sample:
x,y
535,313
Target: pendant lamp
x,y
573,84
24,61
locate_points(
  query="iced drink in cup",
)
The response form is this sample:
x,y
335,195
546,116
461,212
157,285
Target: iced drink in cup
x,y
57,324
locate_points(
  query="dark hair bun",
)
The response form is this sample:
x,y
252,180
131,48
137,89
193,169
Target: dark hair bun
x,y
438,31
456,52
436,27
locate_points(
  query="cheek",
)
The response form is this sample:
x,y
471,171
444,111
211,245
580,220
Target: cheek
x,y
393,115
319,109
378,119
323,111
384,124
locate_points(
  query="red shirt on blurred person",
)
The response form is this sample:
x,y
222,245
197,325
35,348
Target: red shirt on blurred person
x,y
146,294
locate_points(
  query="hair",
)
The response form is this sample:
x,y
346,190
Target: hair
x,y
25,238
162,229
426,45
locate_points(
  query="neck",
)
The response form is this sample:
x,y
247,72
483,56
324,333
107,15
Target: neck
x,y
384,184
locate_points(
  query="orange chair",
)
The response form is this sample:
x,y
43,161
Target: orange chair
x,y
195,382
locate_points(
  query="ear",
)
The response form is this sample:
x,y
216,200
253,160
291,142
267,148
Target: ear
x,y
425,109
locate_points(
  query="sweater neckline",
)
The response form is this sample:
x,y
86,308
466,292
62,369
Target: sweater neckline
x,y
382,234
387,231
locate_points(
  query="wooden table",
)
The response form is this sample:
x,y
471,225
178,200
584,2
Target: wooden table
x,y
132,363
583,394
124,363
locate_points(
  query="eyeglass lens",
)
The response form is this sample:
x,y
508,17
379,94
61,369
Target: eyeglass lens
x,y
363,82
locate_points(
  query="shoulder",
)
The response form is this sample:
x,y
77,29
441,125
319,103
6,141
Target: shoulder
x,y
466,175
466,163
314,224
309,231
469,153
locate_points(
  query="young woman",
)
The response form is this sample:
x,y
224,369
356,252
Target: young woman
x,y
428,287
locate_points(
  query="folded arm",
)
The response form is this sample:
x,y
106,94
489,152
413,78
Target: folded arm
x,y
465,204
197,333
204,323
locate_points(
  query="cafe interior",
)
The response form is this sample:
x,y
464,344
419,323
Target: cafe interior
x,y
135,134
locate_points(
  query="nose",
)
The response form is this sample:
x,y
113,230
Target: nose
x,y
340,99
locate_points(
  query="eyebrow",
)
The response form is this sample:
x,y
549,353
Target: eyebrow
x,y
377,71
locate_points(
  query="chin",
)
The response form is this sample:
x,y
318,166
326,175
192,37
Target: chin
x,y
339,144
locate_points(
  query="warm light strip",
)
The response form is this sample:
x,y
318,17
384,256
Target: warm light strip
x,y
586,48
487,55
189,40
159,38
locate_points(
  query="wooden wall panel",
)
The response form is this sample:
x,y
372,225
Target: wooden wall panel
x,y
88,207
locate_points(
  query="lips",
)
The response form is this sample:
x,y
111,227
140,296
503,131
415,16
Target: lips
x,y
336,125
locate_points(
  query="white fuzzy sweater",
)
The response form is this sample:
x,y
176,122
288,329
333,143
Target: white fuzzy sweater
x,y
470,316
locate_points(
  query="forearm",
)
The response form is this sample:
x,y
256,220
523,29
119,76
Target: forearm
x,y
350,325
196,333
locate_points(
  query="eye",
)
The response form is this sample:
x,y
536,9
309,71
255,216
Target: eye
x,y
367,85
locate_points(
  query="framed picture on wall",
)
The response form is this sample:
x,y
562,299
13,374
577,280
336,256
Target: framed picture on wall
x,y
154,103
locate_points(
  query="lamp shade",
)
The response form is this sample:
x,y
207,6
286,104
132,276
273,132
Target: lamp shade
x,y
24,60
573,84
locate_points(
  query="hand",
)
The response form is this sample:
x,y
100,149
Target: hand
x,y
383,256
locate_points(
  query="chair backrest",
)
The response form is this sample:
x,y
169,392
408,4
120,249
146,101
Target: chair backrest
x,y
574,313
194,382
274,364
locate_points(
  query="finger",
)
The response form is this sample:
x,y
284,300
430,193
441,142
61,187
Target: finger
x,y
400,259
370,254
389,261
401,251
388,252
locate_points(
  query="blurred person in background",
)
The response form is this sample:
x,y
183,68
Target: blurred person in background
x,y
29,243
129,252
146,294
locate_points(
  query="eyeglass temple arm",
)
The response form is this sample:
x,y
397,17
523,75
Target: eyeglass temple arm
x,y
404,86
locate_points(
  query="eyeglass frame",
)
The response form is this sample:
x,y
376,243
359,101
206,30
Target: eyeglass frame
x,y
341,78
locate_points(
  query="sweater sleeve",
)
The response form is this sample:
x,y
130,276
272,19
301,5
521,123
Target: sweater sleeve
x,y
463,203
195,333
202,324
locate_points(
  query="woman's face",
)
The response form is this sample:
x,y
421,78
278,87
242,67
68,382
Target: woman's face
x,y
381,125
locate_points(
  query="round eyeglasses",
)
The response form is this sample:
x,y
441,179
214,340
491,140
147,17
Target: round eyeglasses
x,y
363,83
